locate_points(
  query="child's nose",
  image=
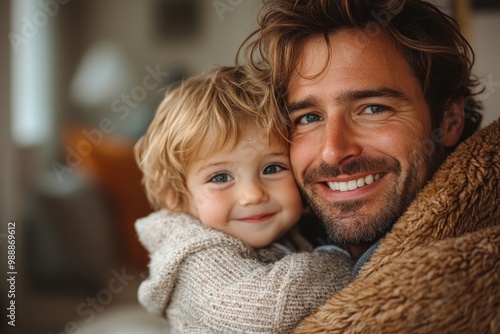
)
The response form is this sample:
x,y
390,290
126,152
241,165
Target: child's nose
x,y
253,193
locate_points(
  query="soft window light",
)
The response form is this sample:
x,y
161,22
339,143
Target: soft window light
x,y
32,73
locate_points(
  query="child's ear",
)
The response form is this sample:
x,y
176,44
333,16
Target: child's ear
x,y
188,205
171,201
452,124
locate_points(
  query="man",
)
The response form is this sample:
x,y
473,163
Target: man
x,y
377,94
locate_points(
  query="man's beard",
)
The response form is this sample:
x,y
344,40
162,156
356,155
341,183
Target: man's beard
x,y
344,221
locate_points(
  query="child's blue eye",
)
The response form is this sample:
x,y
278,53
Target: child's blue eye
x,y
221,178
271,169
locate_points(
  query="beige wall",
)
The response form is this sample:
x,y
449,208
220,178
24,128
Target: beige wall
x,y
7,207
485,39
7,194
130,23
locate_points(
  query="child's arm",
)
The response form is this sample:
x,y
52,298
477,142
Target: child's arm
x,y
216,283
229,292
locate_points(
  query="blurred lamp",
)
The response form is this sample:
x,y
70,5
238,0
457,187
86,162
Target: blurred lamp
x,y
102,75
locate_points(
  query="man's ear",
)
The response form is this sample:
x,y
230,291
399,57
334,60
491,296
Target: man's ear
x,y
452,124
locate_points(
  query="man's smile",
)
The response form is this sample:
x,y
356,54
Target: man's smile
x,y
353,184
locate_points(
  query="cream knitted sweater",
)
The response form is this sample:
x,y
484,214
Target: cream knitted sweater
x,y
204,281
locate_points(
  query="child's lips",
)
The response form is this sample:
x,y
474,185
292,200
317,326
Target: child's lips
x,y
257,218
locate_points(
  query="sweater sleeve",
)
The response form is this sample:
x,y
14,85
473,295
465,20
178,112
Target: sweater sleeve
x,y
222,289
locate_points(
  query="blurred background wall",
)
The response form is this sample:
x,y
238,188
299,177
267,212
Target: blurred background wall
x,y
80,81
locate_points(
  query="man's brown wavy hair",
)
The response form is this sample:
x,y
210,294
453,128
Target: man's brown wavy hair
x,y
428,39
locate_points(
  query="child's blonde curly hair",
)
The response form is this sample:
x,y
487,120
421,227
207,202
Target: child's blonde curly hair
x,y
205,113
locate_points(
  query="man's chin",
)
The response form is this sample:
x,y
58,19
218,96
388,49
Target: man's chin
x,y
358,222
355,238
359,228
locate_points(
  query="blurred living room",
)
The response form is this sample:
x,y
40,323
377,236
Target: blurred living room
x,y
80,81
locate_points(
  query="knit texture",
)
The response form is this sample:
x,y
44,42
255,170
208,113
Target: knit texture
x,y
438,270
204,281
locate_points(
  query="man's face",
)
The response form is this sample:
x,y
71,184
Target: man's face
x,y
358,130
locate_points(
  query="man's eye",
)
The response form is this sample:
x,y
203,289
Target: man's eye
x,y
221,178
375,109
271,169
309,118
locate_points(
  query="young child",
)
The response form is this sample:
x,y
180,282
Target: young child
x,y
215,164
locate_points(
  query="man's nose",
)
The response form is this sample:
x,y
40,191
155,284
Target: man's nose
x,y
341,141
253,192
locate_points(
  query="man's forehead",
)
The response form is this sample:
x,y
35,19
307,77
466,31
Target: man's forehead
x,y
346,45
345,59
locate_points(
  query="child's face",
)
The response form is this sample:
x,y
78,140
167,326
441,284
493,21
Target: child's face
x,y
248,192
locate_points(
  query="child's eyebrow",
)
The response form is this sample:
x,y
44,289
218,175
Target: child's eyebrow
x,y
226,163
213,165
278,154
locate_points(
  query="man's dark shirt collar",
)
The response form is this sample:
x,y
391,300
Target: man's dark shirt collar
x,y
364,259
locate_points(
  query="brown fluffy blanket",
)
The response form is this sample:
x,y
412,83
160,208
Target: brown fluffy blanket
x,y
438,270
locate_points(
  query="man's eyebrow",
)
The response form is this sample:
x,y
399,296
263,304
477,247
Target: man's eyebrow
x,y
349,95
309,101
353,95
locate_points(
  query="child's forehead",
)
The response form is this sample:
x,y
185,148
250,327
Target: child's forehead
x,y
253,144
251,135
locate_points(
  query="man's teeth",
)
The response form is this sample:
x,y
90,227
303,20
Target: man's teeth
x,y
353,184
